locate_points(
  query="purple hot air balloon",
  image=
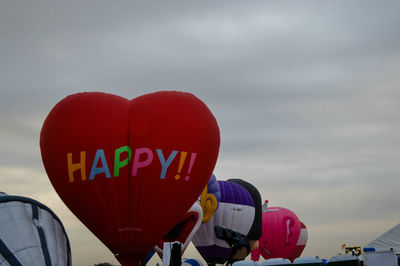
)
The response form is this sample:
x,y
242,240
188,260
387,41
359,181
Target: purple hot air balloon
x,y
236,212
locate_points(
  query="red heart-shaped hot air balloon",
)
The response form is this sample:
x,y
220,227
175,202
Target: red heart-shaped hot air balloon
x,y
129,169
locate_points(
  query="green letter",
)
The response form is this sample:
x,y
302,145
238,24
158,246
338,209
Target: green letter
x,y
117,163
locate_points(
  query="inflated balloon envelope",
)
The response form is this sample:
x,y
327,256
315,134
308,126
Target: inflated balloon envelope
x,y
31,234
130,169
280,234
240,211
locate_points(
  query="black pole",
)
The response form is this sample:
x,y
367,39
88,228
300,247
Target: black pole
x,y
176,255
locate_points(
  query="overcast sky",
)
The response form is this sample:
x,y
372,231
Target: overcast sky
x,y
306,95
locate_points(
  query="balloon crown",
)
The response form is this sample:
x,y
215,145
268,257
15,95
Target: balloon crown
x,y
265,206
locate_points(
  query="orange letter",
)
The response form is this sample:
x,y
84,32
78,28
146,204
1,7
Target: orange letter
x,y
72,167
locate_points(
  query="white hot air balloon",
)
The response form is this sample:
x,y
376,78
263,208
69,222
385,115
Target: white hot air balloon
x,y
31,234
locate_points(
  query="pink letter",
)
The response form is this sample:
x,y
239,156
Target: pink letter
x,y
137,164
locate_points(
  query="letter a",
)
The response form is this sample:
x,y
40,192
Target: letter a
x,y
97,170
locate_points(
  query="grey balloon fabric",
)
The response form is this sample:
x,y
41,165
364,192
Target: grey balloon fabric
x,y
31,234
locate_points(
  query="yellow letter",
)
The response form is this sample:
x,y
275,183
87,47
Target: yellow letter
x,y
72,167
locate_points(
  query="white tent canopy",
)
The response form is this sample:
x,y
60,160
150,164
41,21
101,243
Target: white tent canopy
x,y
388,240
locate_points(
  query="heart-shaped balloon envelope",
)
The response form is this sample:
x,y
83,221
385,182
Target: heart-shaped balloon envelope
x,y
129,169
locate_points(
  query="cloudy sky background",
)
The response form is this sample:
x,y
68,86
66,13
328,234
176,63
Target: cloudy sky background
x,y
306,94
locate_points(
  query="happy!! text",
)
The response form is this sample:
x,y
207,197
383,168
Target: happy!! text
x,y
142,158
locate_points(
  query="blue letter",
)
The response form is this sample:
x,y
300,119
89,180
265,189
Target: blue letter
x,y
104,169
165,164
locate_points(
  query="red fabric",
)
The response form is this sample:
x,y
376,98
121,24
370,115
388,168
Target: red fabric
x,y
301,243
181,231
130,212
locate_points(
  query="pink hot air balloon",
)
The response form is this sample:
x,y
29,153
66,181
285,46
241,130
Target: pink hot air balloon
x,y
301,243
280,233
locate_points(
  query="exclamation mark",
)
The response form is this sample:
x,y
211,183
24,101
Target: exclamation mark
x,y
192,159
181,161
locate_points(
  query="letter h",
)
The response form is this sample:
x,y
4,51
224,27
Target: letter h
x,y
72,167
